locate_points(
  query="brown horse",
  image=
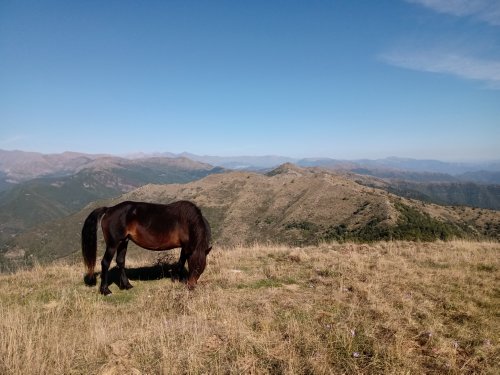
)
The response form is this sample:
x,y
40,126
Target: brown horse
x,y
151,226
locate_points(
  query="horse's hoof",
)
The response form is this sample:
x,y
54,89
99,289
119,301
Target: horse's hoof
x,y
90,280
105,291
179,275
126,286
178,278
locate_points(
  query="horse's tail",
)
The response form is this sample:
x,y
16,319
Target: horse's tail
x,y
89,244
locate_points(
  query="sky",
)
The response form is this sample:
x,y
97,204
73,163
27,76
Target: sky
x,y
341,79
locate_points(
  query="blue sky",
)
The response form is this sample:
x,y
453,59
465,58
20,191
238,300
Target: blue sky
x,y
341,79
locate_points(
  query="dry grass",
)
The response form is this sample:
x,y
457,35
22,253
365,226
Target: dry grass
x,y
397,308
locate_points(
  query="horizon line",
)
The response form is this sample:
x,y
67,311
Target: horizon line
x,y
129,155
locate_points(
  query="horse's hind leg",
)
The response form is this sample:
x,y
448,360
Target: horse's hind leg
x,y
106,261
123,282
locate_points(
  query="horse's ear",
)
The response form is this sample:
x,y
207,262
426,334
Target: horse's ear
x,y
208,250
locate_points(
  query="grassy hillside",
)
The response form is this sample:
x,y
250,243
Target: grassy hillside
x,y
389,307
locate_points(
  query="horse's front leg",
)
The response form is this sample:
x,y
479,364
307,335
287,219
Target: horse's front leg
x,y
197,263
181,263
123,282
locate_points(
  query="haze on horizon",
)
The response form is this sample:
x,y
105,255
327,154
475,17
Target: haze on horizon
x,y
345,80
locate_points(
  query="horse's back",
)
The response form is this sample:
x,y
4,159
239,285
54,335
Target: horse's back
x,y
174,206
181,215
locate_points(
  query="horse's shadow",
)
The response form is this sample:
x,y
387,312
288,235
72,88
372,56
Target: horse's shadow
x,y
157,271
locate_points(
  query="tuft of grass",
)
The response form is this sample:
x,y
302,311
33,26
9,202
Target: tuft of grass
x,y
262,283
387,307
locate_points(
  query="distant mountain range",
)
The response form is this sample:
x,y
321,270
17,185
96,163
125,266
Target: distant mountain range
x,y
415,170
406,164
464,171
289,205
17,166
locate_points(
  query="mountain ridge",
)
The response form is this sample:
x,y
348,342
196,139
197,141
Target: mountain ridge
x,y
292,205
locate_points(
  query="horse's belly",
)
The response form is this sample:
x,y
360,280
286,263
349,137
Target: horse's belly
x,y
153,240
165,243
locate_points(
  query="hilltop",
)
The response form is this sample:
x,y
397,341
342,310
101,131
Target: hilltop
x,y
385,308
305,205
291,205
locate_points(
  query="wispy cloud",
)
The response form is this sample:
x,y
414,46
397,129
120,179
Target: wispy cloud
x,y
486,71
484,10
458,56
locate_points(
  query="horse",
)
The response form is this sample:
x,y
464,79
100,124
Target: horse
x,y
150,226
